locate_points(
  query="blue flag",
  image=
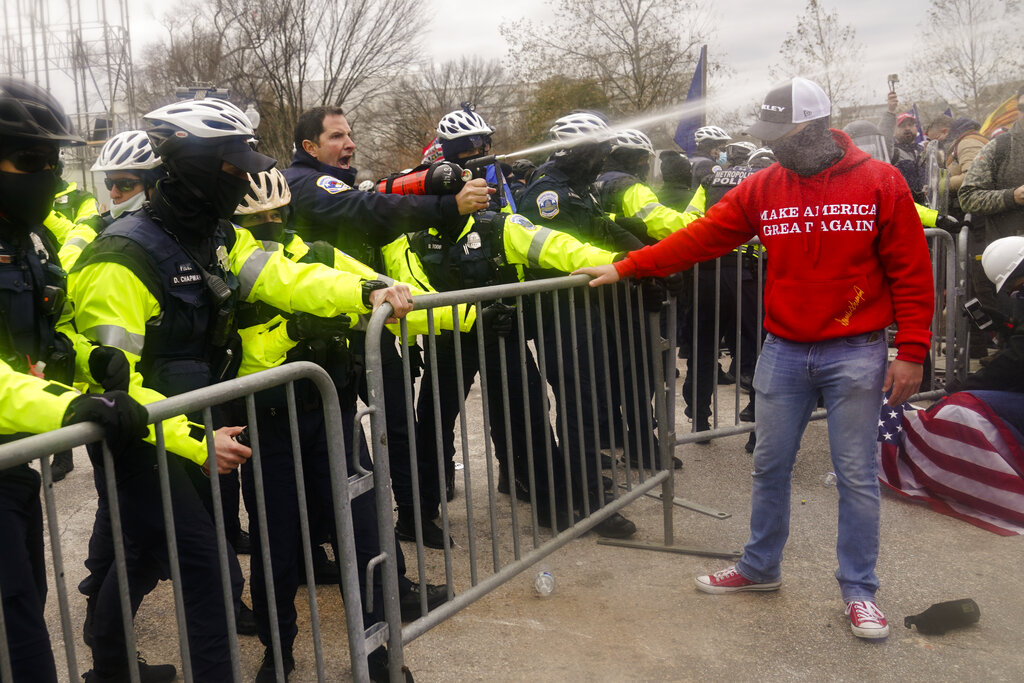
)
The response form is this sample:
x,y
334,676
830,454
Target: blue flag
x,y
689,124
920,131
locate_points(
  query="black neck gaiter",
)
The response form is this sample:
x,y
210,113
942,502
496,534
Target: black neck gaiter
x,y
810,151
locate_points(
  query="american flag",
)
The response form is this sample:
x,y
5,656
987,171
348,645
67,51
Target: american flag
x,y
959,457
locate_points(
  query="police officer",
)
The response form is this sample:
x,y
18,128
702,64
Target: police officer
x,y
560,196
710,154
702,368
493,248
1003,262
32,353
326,207
269,338
178,269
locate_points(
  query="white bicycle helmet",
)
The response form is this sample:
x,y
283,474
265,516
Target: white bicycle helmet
x,y
127,151
209,118
750,147
580,126
462,123
631,138
762,157
1002,259
211,122
267,190
710,133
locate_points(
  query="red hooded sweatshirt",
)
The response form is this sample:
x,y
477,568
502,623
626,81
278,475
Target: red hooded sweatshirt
x,y
846,251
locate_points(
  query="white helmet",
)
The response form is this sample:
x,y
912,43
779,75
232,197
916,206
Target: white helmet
x,y
212,122
1002,259
267,190
762,157
710,133
581,126
209,118
631,138
750,147
462,123
127,151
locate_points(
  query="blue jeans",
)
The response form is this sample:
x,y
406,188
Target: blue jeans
x,y
848,373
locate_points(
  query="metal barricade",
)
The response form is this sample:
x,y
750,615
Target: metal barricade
x,y
344,489
598,341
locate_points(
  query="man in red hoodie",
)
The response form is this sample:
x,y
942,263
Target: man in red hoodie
x,y
848,258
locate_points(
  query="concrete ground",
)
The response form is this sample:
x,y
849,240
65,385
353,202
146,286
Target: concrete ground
x,y
620,614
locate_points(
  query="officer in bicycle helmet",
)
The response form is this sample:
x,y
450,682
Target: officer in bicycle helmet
x,y
710,154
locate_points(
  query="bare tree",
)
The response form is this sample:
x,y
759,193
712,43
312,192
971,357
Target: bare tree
x,y
824,50
967,48
288,55
640,53
405,116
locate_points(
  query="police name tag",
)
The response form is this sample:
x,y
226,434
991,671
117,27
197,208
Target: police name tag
x,y
331,185
547,204
186,275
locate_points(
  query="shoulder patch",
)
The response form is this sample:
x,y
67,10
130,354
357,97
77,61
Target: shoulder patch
x,y
331,185
521,220
547,204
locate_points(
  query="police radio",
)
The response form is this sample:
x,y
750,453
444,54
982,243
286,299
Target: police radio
x,y
441,177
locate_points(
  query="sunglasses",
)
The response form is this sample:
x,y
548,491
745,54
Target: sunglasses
x,y
122,185
34,159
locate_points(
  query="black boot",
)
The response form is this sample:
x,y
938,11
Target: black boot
x,y
266,672
615,526
405,529
377,663
148,673
409,603
751,443
62,464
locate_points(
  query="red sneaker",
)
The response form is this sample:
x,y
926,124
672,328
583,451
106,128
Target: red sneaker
x,y
866,620
731,581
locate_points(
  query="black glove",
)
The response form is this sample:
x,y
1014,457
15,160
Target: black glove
x,y
498,319
305,326
653,289
123,418
948,223
675,284
109,367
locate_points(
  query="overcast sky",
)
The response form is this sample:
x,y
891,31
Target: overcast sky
x,y
747,39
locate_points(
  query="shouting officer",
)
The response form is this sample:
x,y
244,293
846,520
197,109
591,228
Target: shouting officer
x,y
326,207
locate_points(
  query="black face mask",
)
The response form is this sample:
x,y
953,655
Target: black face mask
x,y
271,230
219,192
26,199
810,151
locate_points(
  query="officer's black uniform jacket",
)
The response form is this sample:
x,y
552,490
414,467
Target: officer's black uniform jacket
x,y
551,200
325,207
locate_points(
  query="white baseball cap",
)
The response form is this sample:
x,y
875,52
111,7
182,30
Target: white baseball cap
x,y
788,105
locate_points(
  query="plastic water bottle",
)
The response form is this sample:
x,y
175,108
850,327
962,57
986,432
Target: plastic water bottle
x,y
544,583
830,479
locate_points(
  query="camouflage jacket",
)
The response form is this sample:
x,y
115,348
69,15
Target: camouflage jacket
x,y
990,182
